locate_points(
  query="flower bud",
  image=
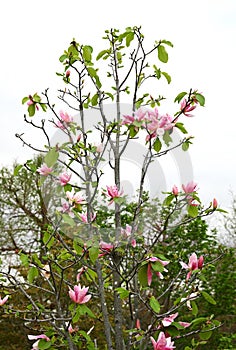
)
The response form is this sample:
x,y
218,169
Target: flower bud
x,y
215,203
200,262
175,190
67,73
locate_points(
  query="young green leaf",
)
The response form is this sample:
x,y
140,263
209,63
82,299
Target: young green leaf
x,y
162,54
157,145
167,76
208,298
32,274
51,157
180,96
154,304
192,211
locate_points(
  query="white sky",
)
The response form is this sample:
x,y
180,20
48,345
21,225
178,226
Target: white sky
x,y
34,35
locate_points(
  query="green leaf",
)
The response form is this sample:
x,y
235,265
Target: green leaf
x,y
77,247
205,335
167,76
94,100
157,145
25,99
24,259
133,131
92,72
181,127
192,211
68,220
51,157
180,96
198,321
142,275
162,54
208,298
167,42
93,253
129,38
168,199
157,71
102,53
17,169
185,146
123,293
63,57
200,98
48,240
154,304
32,274
166,137
87,53
157,266
31,110
43,344
194,308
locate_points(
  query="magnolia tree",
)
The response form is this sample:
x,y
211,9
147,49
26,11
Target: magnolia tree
x,y
99,279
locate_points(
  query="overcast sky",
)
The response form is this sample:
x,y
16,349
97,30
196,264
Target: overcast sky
x,y
34,35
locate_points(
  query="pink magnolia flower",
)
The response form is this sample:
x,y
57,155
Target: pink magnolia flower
x,y
113,192
175,190
80,272
75,198
44,170
4,300
190,187
65,117
138,116
40,336
193,264
184,324
169,319
157,124
162,343
67,73
106,248
60,125
187,107
84,217
79,295
64,178
149,268
126,233
65,208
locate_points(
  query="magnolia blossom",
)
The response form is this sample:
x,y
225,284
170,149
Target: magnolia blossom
x,y
79,295
75,198
175,190
139,116
190,187
106,248
67,73
193,264
80,272
113,192
84,217
66,208
46,271
167,321
187,107
44,170
126,233
4,300
65,117
99,148
149,268
64,178
40,336
162,343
